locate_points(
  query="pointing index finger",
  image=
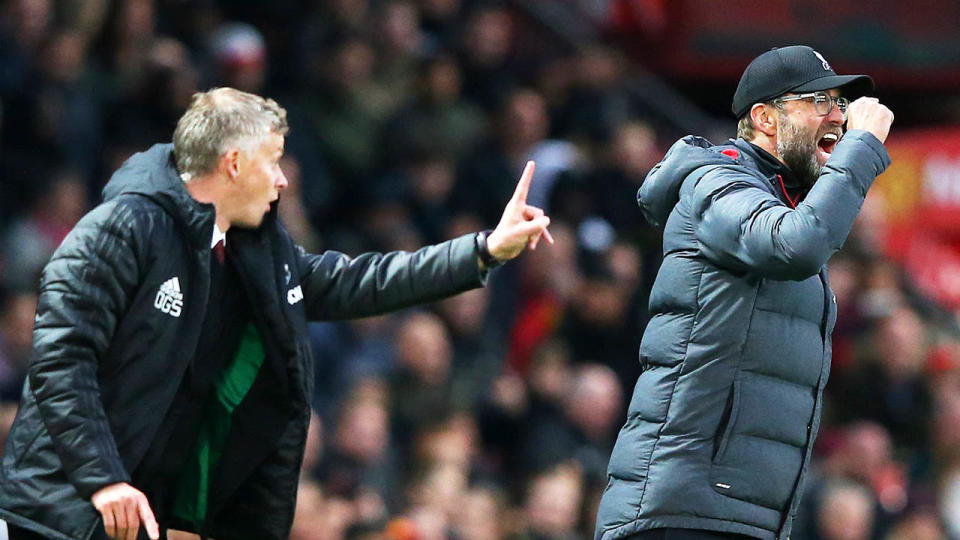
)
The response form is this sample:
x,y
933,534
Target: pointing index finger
x,y
149,521
524,185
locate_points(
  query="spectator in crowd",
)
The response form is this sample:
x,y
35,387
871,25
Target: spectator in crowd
x,y
890,385
59,201
521,126
359,464
582,427
61,115
845,513
16,339
477,347
485,54
291,208
399,46
148,110
420,386
862,457
350,355
436,113
24,26
598,100
123,48
482,515
438,21
239,56
552,503
621,166
919,524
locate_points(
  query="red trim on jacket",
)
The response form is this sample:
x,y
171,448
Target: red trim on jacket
x,y
793,203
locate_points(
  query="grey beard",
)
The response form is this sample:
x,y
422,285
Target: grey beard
x,y
799,152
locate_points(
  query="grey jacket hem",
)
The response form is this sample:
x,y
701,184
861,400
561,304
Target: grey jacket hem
x,y
684,522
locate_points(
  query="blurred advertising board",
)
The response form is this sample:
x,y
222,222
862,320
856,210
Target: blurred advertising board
x,y
910,45
919,197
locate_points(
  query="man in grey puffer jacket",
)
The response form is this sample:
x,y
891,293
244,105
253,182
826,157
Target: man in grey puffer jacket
x,y
737,351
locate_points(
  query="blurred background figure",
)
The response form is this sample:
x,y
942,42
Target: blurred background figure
x,y
485,53
17,308
846,513
58,200
357,465
521,127
582,426
482,515
420,386
239,57
552,505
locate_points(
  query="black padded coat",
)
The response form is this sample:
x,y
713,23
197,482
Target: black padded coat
x,y
115,332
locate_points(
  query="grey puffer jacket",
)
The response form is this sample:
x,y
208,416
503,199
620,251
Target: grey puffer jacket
x,y
737,351
121,307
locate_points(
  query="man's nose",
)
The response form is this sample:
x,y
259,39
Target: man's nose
x,y
835,116
281,181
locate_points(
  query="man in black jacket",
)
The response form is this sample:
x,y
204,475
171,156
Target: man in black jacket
x,y
171,375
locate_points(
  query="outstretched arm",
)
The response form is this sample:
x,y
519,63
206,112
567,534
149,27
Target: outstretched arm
x,y
336,286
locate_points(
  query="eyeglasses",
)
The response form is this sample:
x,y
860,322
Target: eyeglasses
x,y
822,102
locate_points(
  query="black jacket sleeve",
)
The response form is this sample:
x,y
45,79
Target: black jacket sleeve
x,y
84,290
336,286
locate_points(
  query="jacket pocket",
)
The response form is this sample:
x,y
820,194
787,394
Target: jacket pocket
x,y
727,422
758,456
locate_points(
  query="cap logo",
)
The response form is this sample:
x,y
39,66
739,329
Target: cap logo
x,y
826,66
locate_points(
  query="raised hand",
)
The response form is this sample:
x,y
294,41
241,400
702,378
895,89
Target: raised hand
x,y
123,508
521,225
869,114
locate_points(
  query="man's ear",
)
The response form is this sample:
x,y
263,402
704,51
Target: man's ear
x,y
764,118
231,163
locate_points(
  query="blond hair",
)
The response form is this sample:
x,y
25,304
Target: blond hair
x,y
745,127
219,119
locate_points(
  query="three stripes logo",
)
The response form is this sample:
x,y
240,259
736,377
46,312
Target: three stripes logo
x,y
169,299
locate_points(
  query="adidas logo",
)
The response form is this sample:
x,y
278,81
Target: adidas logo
x,y
294,295
169,299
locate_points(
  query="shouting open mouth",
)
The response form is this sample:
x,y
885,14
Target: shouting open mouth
x,y
826,145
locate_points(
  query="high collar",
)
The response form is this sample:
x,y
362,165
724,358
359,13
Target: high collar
x,y
770,166
153,174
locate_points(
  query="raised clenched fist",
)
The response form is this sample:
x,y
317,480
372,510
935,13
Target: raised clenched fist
x,y
869,114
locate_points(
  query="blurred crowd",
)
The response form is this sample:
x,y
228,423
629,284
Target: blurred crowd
x,y
492,414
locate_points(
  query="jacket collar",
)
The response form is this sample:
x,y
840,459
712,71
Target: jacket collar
x,y
772,168
153,174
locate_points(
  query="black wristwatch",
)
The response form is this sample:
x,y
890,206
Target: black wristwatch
x,y
483,251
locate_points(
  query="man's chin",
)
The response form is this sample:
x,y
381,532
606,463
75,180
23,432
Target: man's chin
x,y
251,223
